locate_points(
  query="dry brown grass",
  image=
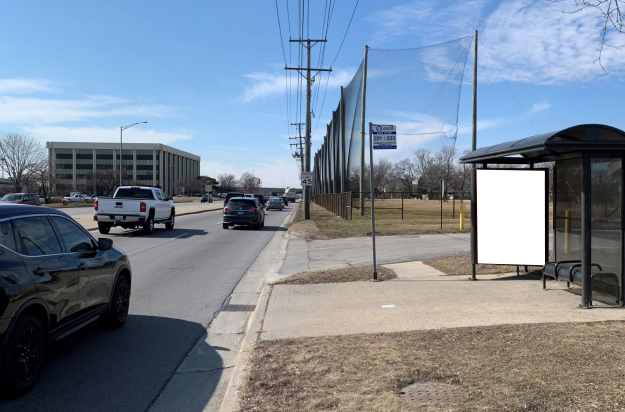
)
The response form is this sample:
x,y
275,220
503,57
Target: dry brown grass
x,y
461,266
420,217
537,367
350,274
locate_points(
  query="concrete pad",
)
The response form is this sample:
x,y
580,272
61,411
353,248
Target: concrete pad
x,y
422,299
305,255
229,322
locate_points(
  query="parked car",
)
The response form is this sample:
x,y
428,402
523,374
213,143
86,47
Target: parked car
x,y
22,198
244,211
206,198
132,207
230,195
54,278
78,198
275,203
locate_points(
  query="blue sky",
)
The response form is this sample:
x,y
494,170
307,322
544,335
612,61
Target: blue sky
x,y
208,75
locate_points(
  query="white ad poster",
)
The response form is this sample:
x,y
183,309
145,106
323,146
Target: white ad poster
x,y
511,216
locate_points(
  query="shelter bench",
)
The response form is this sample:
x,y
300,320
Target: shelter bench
x,y
571,272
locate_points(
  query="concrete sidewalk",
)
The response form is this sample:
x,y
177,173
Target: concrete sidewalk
x,y
421,298
305,255
90,224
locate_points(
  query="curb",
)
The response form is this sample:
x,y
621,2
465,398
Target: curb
x,y
252,334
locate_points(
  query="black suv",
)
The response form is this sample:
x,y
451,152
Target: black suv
x,y
54,278
245,211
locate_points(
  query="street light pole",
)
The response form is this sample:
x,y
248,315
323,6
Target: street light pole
x,y
121,139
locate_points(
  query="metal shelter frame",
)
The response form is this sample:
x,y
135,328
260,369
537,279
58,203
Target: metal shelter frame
x,y
583,142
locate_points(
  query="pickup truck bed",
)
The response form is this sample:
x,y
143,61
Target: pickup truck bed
x,y
132,207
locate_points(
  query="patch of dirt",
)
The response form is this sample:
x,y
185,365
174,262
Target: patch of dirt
x,y
533,367
306,229
350,274
461,266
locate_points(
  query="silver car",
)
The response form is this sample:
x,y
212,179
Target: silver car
x,y
275,203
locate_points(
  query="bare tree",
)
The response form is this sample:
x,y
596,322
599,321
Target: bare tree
x,y
427,167
406,172
248,182
382,175
20,158
227,180
446,159
43,179
612,13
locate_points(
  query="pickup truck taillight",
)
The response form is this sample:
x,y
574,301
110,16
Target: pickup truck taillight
x,y
95,205
143,207
228,209
253,210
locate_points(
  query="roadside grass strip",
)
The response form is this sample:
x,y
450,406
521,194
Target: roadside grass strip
x,y
350,274
461,266
528,367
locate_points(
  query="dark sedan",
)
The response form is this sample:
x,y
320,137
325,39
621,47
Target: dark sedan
x,y
245,211
54,278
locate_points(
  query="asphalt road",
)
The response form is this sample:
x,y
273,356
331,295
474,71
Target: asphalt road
x,y
180,280
87,210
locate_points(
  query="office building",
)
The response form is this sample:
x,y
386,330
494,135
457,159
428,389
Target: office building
x,y
95,167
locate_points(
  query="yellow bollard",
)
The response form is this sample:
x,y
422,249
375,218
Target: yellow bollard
x,y
567,229
461,216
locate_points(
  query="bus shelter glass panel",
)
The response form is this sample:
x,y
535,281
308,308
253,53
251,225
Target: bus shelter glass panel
x,y
568,210
605,198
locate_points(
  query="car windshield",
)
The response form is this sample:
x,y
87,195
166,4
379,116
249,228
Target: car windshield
x,y
241,203
12,197
134,193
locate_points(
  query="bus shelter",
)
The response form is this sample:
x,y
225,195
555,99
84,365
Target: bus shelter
x,y
587,185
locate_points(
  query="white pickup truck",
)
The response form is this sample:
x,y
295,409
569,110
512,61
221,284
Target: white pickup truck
x,y
132,207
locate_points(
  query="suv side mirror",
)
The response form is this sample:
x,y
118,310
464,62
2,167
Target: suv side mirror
x,y
105,243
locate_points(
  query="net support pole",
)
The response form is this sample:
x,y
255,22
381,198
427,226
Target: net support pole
x,y
342,141
473,175
362,135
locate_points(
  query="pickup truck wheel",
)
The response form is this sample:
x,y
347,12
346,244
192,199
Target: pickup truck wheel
x,y
148,226
170,223
104,228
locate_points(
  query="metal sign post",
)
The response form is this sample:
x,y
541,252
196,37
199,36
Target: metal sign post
x,y
380,137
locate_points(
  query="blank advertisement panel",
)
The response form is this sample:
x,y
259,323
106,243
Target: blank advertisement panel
x,y
511,216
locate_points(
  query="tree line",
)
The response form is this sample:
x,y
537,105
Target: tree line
x,y
423,174
248,182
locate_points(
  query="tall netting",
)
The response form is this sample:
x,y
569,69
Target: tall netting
x,y
416,89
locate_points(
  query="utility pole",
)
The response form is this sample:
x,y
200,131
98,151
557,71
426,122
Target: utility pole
x,y
299,145
308,43
362,138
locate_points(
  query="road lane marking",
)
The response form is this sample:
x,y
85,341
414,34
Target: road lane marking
x,y
179,236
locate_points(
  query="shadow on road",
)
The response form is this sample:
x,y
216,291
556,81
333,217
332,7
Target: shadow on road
x,y
158,233
97,369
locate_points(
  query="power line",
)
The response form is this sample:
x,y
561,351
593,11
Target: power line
x,y
346,31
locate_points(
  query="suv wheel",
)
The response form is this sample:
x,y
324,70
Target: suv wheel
x,y
170,223
104,228
148,226
225,225
120,303
23,358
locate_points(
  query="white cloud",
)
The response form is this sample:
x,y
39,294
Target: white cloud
x,y
137,134
540,106
32,110
520,40
25,85
535,42
272,84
